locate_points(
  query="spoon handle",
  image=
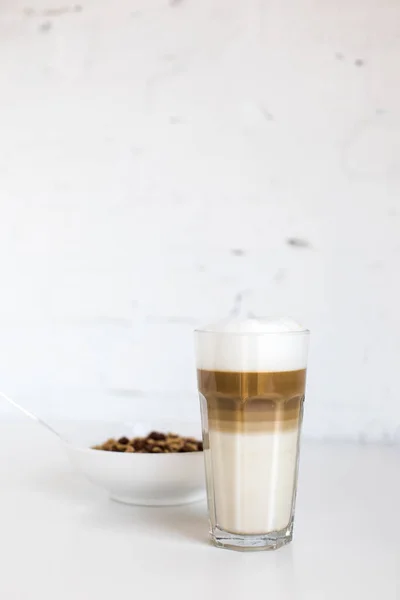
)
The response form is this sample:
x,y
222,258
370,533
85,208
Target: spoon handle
x,y
27,413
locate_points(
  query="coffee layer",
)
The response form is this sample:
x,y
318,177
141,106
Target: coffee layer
x,y
252,402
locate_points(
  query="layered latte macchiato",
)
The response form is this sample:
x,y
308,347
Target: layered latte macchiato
x,y
251,380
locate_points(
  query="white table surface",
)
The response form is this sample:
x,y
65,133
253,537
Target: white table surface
x,y
63,539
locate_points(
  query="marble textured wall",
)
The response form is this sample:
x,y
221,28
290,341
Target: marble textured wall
x,y
158,158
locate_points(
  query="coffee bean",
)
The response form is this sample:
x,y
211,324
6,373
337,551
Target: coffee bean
x,y
156,435
119,448
138,443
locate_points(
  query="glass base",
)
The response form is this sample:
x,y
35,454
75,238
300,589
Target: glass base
x,y
251,543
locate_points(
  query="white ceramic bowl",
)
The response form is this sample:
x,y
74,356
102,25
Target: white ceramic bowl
x,y
146,479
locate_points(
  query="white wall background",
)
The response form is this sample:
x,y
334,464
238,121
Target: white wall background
x,y
157,157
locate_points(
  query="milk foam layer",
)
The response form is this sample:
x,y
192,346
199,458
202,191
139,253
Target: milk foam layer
x,y
252,345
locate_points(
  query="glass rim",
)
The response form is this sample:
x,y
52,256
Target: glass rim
x,y
253,333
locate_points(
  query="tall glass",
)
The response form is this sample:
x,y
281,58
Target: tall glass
x,y
251,385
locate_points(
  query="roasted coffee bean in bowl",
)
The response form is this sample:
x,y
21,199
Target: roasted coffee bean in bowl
x,y
154,443
140,463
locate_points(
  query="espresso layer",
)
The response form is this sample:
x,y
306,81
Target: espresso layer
x,y
252,402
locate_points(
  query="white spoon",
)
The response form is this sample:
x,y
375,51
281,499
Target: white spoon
x,y
35,418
